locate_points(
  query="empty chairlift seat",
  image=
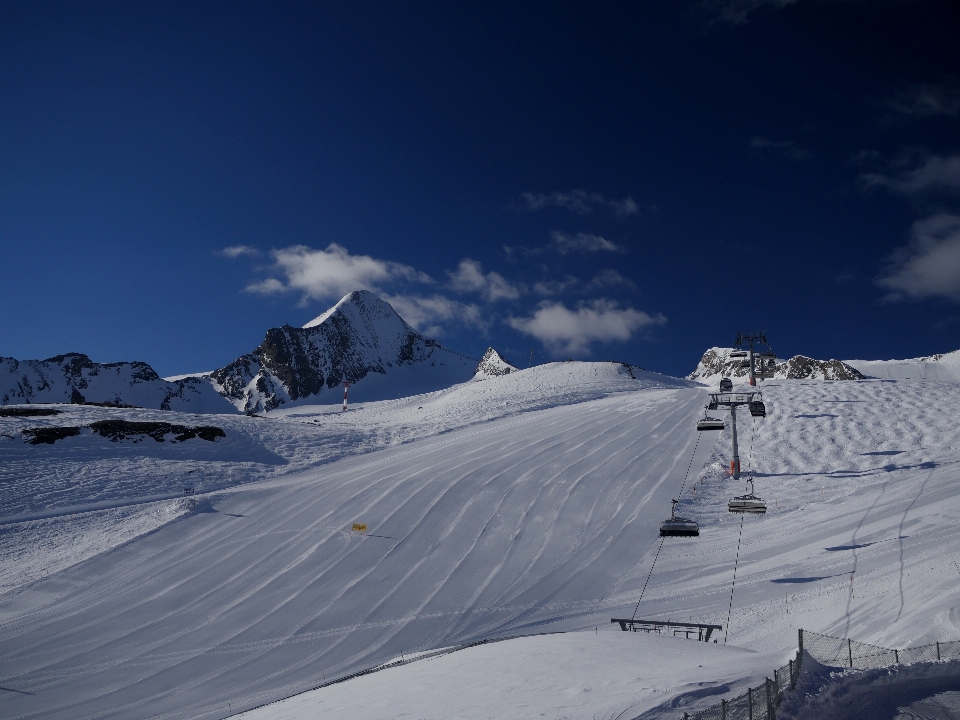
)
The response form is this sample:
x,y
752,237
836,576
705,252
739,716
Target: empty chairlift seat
x,y
677,526
709,423
748,503
726,385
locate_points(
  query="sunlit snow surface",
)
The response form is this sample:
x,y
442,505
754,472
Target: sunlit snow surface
x,y
526,503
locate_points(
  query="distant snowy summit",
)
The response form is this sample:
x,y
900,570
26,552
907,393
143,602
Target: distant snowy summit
x,y
942,368
361,340
493,364
717,363
75,378
359,337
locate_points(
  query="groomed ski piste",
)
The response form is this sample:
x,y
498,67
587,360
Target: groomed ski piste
x,y
527,504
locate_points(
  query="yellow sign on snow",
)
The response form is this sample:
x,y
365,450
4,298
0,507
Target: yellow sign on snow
x,y
359,527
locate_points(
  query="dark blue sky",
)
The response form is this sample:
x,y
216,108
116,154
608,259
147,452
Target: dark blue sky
x,y
630,181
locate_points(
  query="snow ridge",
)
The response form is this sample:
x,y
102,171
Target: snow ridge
x,y
75,378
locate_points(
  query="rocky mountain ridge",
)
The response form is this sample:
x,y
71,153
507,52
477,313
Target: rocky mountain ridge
x,y
716,363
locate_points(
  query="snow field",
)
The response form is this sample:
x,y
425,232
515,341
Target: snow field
x,y
543,519
490,529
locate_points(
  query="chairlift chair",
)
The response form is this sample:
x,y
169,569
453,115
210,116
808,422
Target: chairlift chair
x,y
726,385
678,526
738,354
710,423
757,408
748,503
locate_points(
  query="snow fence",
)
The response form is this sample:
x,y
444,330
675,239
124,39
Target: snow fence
x,y
761,702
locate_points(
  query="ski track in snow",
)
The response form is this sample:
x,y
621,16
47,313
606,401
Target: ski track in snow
x,y
545,518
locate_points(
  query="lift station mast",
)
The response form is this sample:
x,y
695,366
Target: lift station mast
x,y
733,400
750,338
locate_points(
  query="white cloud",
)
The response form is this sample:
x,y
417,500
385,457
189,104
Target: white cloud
x,y
736,12
469,278
555,287
930,265
428,313
573,331
331,273
787,148
609,278
581,202
581,242
235,251
932,173
928,100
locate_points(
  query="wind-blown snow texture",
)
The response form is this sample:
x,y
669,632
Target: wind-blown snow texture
x,y
524,503
716,363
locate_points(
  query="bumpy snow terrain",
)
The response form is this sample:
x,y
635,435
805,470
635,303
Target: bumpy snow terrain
x,y
520,504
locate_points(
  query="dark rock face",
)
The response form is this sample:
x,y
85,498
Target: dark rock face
x,y
20,411
49,435
493,364
118,430
361,334
800,367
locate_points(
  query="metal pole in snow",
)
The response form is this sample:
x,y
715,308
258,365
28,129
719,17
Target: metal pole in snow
x,y
736,451
346,384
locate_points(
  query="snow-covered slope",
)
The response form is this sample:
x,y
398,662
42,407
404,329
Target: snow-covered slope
x,y
358,339
943,368
493,364
716,363
541,514
75,378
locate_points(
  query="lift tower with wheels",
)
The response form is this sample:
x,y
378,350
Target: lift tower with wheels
x,y
749,338
733,400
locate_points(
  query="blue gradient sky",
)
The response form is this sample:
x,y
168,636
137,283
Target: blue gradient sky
x,y
629,181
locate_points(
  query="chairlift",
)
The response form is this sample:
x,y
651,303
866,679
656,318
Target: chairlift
x,y
748,503
738,354
678,526
710,423
757,408
712,406
726,385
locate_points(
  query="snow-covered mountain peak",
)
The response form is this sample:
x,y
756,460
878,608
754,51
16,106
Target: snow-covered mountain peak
x,y
359,336
493,364
359,304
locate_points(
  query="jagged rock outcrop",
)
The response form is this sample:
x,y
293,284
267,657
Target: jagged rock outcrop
x,y
75,378
493,364
717,363
359,336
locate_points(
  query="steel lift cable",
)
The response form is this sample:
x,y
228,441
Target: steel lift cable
x,y
649,574
735,564
632,617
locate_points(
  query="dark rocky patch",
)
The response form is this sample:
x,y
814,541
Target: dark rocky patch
x,y
49,435
20,411
118,430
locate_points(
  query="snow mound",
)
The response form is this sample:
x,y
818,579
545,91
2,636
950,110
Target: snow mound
x,y
716,363
941,368
493,364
